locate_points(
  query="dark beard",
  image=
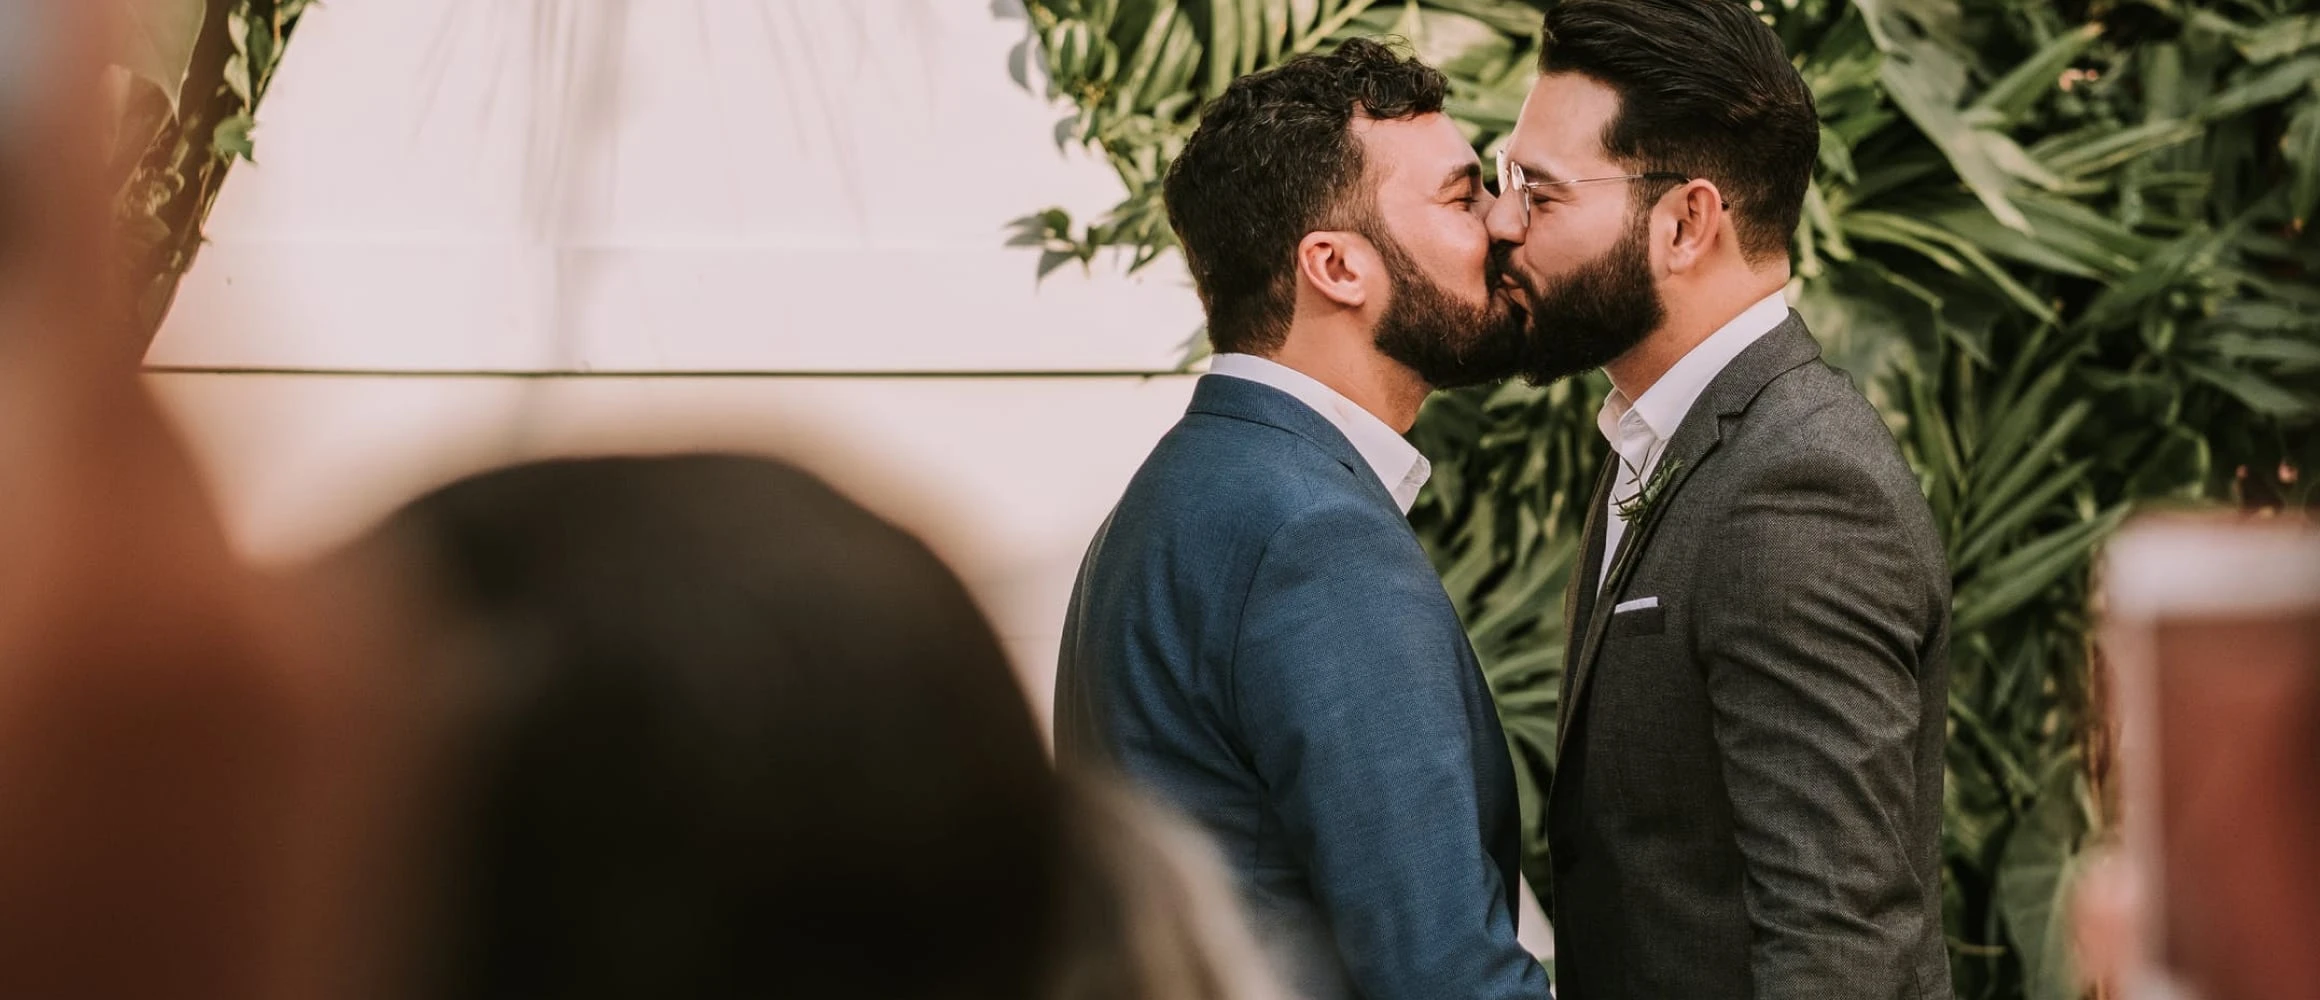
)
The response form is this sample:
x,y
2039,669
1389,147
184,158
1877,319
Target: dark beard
x,y
1600,312
1449,343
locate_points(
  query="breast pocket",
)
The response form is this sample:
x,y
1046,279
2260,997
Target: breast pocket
x,y
1654,715
1636,618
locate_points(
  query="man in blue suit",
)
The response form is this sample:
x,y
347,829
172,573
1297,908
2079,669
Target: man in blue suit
x,y
1256,635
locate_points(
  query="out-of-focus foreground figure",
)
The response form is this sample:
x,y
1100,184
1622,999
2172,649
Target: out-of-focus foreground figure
x,y
2214,631
705,728
162,795
1150,912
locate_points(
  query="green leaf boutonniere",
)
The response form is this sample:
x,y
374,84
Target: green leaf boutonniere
x,y
1635,507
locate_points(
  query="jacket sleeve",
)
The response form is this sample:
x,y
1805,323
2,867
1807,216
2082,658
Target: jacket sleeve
x,y
1812,657
1361,718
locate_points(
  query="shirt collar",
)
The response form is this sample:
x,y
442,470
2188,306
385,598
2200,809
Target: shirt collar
x,y
1397,463
1663,407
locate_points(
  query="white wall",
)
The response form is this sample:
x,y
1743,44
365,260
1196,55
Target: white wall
x,y
484,231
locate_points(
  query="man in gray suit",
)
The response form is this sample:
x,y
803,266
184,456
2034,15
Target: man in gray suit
x,y
1748,794
1256,635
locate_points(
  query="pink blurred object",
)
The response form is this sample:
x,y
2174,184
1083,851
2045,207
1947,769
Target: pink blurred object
x,y
2214,630
169,822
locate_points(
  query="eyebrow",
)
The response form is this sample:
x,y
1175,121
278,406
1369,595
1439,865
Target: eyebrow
x,y
1470,173
1537,173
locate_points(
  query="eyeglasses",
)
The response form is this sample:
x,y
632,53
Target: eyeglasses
x,y
1512,181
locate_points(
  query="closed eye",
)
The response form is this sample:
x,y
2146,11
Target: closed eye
x,y
1464,185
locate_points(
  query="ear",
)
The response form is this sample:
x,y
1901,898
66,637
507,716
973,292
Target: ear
x,y
1701,220
1338,266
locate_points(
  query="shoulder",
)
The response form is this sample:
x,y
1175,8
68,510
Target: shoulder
x,y
1351,560
1345,582
1812,462
1241,477
1339,524
1813,401
1812,425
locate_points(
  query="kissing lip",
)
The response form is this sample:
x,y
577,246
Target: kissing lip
x,y
1513,287
1514,294
1500,269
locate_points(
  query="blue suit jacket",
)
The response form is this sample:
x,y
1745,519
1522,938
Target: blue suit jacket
x,y
1257,638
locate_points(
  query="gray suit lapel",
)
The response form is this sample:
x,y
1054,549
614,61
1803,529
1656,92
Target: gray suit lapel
x,y
1775,354
1579,602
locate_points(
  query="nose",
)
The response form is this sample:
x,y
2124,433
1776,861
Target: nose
x,y
1505,221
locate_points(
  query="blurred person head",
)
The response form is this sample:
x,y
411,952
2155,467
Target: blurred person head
x,y
710,729
1330,211
1150,912
1653,179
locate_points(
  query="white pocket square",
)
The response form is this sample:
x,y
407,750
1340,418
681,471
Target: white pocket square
x,y
1638,604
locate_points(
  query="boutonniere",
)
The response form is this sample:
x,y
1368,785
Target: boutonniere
x,y
1634,508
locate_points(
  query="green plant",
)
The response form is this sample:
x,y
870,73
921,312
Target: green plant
x,y
184,91
2063,246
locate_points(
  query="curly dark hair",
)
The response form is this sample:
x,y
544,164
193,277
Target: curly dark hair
x,y
1705,90
1275,158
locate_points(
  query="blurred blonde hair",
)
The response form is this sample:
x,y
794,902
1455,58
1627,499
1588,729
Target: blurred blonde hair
x,y
1150,912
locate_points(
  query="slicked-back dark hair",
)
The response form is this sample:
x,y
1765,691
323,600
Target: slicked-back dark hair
x,y
1705,90
1275,158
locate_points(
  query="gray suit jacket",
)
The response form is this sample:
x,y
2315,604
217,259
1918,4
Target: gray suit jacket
x,y
1747,801
1257,637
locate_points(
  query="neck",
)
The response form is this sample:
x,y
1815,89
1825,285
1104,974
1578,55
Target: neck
x,y
1692,317
1389,390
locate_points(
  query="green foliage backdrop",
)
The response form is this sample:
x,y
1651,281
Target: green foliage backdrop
x,y
2062,244
184,92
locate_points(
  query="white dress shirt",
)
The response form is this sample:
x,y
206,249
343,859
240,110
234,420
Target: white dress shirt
x,y
1639,430
1396,461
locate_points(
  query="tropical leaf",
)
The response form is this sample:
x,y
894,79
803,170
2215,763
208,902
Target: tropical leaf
x,y
2301,146
2036,873
157,40
212,60
1925,73
2013,95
